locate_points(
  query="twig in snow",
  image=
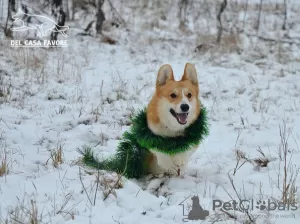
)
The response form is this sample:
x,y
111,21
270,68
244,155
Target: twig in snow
x,y
84,188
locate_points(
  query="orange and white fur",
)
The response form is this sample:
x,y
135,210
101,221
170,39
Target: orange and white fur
x,y
173,107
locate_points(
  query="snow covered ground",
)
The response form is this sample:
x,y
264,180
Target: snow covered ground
x,y
55,101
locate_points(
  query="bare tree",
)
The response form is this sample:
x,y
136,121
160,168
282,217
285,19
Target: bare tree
x,y
56,3
285,15
100,17
66,9
61,18
259,15
219,24
11,7
245,14
73,8
182,12
116,16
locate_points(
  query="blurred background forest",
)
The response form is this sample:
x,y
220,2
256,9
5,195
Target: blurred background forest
x,y
254,28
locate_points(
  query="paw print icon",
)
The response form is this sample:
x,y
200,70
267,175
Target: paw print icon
x,y
261,205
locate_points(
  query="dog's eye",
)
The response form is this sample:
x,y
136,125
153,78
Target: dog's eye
x,y
173,95
189,95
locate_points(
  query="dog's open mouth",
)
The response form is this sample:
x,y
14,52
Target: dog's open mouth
x,y
180,117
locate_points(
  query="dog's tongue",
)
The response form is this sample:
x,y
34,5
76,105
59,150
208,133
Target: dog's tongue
x,y
182,117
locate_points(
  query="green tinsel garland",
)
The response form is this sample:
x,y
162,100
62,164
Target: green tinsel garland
x,y
132,150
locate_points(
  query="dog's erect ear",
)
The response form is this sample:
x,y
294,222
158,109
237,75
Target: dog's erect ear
x,y
165,74
190,73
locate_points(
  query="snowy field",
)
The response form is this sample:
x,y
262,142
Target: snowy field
x,y
54,101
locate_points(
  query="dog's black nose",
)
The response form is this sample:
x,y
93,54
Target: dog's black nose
x,y
184,107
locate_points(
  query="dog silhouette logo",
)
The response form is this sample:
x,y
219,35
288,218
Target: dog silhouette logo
x,y
42,24
196,212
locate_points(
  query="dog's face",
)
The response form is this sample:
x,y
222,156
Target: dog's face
x,y
178,104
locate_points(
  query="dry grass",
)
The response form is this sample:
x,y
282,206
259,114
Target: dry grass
x,y
258,162
56,156
267,7
26,212
287,172
4,163
261,161
229,43
5,87
106,182
120,87
3,166
109,184
290,172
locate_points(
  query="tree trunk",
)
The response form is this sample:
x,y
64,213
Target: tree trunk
x,y
245,14
66,9
60,22
7,31
220,25
259,15
100,17
182,13
285,15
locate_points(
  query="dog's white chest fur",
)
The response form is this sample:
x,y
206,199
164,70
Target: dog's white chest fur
x,y
171,163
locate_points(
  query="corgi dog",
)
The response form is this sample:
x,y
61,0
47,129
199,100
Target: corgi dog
x,y
173,107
